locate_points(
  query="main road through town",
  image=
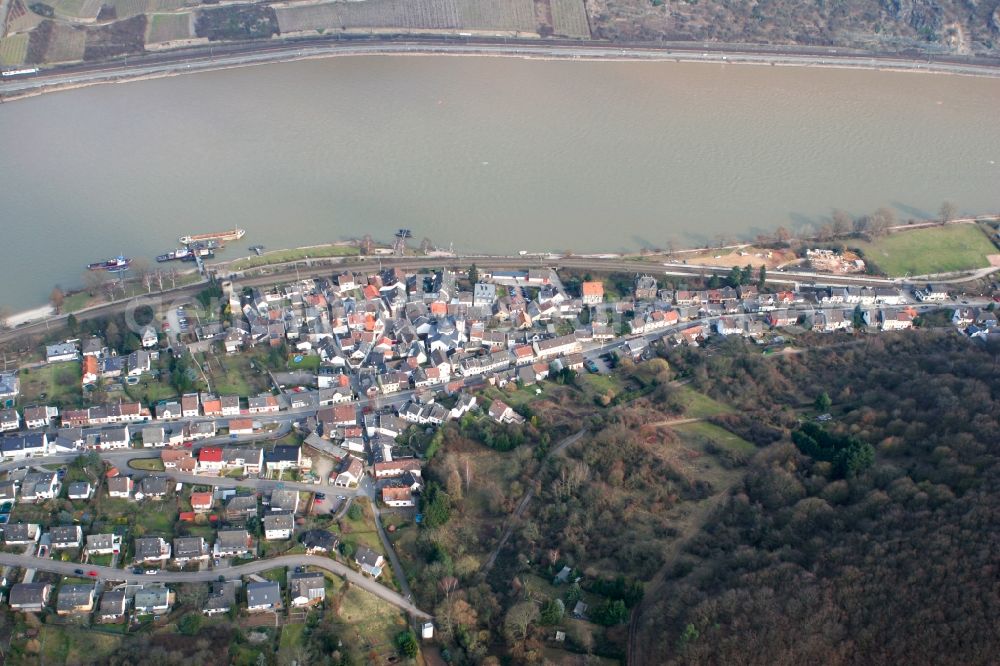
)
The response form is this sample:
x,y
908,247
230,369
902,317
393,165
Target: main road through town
x,y
325,267
110,574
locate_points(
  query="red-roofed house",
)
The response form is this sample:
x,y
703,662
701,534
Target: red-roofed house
x,y
392,496
593,292
241,426
201,502
386,470
210,460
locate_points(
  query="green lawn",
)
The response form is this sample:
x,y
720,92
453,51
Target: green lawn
x,y
59,383
233,374
931,250
76,302
282,256
291,636
700,406
707,432
278,575
147,464
306,362
13,49
151,390
157,518
73,645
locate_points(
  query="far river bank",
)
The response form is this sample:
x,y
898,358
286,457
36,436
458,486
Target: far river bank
x,y
213,58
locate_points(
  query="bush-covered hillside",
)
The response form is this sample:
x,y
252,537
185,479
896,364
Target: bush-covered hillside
x,y
898,564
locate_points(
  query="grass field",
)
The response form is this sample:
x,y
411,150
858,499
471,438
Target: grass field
x,y
147,464
151,390
509,16
67,45
707,432
369,624
569,18
931,250
233,374
59,383
13,49
282,256
168,27
79,9
71,645
700,406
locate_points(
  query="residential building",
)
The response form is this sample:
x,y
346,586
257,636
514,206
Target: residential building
x,y
189,549
396,467
151,549
263,596
241,427
148,339
10,388
154,487
39,486
351,475
262,404
233,543
39,417
190,405
221,598
230,405
62,537
210,460
113,605
370,562
103,544
284,501
397,497
21,534
307,588
251,459
75,599
61,351
241,507
201,502
24,446
168,410
567,344
592,292
283,457
9,419
278,526
80,490
29,597
120,486
154,600
319,541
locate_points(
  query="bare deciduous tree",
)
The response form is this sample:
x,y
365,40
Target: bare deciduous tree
x,y
949,211
842,222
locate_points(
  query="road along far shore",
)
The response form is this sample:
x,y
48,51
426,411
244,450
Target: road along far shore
x,y
158,65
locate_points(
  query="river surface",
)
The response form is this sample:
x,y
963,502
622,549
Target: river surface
x,y
487,154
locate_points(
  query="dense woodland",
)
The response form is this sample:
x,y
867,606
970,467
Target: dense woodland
x,y
896,563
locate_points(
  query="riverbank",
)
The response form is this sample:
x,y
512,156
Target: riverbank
x,y
162,65
28,316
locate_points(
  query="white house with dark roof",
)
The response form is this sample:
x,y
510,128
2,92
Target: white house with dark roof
x,y
61,351
264,596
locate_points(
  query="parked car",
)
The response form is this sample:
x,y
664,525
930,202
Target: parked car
x,y
78,572
152,572
92,574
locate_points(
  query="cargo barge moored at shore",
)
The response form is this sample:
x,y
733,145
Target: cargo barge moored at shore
x,y
116,265
235,234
